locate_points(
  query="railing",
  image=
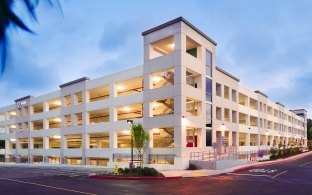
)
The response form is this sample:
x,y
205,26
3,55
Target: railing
x,y
161,159
230,154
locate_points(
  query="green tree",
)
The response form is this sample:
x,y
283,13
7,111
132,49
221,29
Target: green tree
x,y
140,140
309,129
9,18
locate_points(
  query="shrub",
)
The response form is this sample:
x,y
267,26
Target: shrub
x,y
310,144
127,170
138,169
192,167
121,171
146,171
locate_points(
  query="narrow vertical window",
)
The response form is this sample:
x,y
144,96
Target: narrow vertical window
x,y
208,90
208,63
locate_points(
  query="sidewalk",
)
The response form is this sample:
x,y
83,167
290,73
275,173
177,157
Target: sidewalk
x,y
205,173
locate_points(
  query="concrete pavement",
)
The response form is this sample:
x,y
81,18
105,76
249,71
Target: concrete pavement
x,y
205,173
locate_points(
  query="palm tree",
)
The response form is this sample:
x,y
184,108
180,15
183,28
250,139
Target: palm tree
x,y
9,18
140,140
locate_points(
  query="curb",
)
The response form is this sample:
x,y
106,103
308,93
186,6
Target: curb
x,y
272,162
132,178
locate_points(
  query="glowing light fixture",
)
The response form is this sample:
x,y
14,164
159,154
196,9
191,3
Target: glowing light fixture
x,y
57,137
13,140
223,127
58,103
155,104
126,132
57,120
184,120
13,126
156,78
120,88
171,45
127,109
156,130
13,113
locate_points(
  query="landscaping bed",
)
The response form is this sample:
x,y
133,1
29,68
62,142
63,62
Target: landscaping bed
x,y
138,173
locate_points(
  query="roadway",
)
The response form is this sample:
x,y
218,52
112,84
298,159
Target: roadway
x,y
293,177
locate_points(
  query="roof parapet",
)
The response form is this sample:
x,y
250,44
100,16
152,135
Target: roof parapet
x,y
226,73
280,104
298,110
261,93
179,19
74,82
23,98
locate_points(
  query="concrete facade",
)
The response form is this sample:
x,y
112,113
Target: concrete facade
x,y
185,102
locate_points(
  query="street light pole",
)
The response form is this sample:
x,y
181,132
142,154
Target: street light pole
x,y
131,123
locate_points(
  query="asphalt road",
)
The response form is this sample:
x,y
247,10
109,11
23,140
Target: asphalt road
x,y
294,177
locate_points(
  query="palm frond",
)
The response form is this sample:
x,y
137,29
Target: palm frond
x,y
9,18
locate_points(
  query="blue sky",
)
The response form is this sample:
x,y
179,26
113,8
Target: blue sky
x,y
267,44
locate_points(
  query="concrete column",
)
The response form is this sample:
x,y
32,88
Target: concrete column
x,y
85,97
63,147
86,118
85,146
74,120
112,114
7,116
180,139
45,124
85,140
45,106
31,109
30,143
45,142
230,138
73,99
235,138
64,142
112,139
7,129
266,140
151,135
278,140
63,121
63,102
258,137
112,90
18,144
247,139
202,138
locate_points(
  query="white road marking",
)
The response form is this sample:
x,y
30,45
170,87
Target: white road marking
x,y
42,185
305,164
279,174
263,170
249,174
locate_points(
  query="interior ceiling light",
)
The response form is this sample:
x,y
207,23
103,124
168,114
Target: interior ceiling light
x,y
156,78
120,88
155,104
171,45
127,109
57,137
156,130
57,120
57,102
127,132
13,113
